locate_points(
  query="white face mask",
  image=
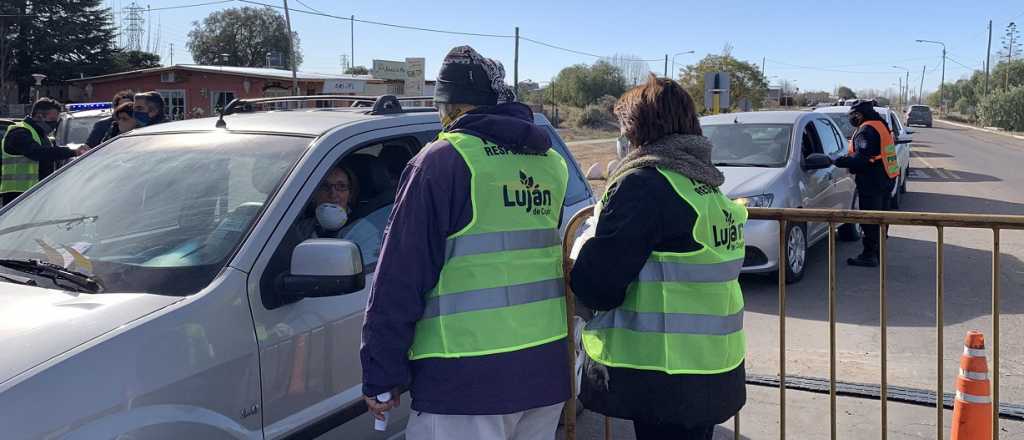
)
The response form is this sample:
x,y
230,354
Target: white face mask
x,y
622,147
331,217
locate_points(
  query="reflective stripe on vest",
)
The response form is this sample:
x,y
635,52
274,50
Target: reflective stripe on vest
x,y
501,287
18,173
888,156
684,312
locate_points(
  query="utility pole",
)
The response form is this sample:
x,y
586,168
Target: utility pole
x,y
762,66
920,90
942,83
515,66
291,49
170,61
352,39
899,101
666,65
988,55
149,29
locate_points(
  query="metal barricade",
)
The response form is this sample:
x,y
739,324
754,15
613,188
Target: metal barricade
x,y
833,218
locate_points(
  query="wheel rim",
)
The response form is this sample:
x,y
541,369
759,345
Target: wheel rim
x,y
796,250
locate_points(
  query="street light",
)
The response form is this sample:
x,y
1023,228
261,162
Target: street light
x,y
674,59
39,77
943,80
905,91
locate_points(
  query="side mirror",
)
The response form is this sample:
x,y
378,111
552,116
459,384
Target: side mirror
x,y
909,131
904,140
817,161
323,267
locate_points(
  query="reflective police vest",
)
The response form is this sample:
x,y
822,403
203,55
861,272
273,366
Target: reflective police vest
x,y
684,312
501,287
19,173
888,150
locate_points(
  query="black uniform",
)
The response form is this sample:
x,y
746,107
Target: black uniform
x,y
20,142
874,186
642,214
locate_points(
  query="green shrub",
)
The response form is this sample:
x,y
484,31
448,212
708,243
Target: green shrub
x,y
1003,109
592,116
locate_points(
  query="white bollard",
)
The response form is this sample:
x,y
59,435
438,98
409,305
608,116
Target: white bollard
x,y
612,165
594,173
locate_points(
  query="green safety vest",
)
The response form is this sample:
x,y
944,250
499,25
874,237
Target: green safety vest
x,y
18,173
501,288
684,312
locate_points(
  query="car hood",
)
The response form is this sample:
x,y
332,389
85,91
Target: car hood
x,y
37,324
748,181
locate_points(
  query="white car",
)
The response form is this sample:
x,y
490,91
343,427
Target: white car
x,y
901,135
149,290
74,127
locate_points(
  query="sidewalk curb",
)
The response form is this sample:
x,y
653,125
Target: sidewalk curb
x,y
1001,133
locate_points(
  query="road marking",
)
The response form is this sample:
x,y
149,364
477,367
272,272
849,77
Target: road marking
x,y
1001,133
942,172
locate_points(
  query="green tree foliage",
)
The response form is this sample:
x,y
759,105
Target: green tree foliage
x,y
846,93
241,37
1004,109
581,85
126,60
1008,74
745,79
357,70
62,40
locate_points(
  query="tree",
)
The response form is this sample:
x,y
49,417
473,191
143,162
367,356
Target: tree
x,y
62,40
1011,43
846,93
125,60
1003,108
633,69
745,79
1008,74
357,70
580,85
241,37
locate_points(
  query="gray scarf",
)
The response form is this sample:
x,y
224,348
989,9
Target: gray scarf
x,y
689,155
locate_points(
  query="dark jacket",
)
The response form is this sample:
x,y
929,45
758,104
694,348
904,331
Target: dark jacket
x,y
19,141
870,176
433,202
112,132
642,214
100,130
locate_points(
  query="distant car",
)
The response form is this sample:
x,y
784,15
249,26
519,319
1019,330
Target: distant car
x,y
781,159
919,115
74,127
901,135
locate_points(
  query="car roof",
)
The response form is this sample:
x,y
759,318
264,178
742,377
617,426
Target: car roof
x,y
89,113
309,122
771,117
845,109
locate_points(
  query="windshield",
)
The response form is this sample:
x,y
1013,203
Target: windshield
x,y
919,109
156,214
760,145
842,121
77,130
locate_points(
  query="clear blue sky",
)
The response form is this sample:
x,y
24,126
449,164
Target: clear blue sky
x,y
818,44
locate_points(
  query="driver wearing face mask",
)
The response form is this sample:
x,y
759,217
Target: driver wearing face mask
x,y
28,155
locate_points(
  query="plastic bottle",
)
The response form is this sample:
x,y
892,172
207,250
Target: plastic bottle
x,y
382,425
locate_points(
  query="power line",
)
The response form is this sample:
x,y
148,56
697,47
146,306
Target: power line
x,y
309,7
195,5
578,52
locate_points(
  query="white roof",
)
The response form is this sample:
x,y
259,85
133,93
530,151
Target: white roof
x,y
261,72
846,109
772,117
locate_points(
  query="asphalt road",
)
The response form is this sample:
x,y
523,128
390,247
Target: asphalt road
x,y
954,170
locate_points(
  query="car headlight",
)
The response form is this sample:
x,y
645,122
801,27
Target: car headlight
x,y
761,201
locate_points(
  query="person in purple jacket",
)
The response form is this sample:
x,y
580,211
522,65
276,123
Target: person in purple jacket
x,y
515,394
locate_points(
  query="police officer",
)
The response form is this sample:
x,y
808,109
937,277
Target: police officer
x,y
28,155
872,159
467,308
666,349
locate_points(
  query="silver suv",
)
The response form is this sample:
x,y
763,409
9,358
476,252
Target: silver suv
x,y
151,290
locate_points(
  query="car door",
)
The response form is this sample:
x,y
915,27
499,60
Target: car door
x,y
831,146
843,184
901,133
311,374
817,183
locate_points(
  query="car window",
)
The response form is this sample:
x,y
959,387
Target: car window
x,y
578,189
896,126
743,145
829,143
810,142
77,130
154,214
843,122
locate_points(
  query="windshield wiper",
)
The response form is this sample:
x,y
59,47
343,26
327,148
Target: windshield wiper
x,y
84,282
67,223
17,279
742,164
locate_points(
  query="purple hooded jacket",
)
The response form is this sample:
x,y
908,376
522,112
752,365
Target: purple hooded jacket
x,y
433,202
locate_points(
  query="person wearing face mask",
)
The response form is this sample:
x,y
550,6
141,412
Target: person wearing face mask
x,y
124,121
332,205
106,128
467,308
872,160
28,154
666,346
149,109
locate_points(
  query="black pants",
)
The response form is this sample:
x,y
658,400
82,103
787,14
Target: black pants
x,y
872,202
8,197
648,431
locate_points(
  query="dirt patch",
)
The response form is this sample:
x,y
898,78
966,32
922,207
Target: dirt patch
x,y
589,154
570,134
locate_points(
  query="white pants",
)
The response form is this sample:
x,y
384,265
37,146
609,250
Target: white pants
x,y
534,424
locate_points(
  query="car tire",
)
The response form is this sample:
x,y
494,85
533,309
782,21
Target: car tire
x,y
895,199
796,252
849,232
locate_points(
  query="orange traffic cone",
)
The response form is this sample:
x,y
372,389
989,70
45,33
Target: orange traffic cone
x,y
972,408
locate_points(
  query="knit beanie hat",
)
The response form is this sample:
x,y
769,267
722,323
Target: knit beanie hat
x,y
466,77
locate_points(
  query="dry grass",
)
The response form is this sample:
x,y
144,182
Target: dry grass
x,y
571,134
589,154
